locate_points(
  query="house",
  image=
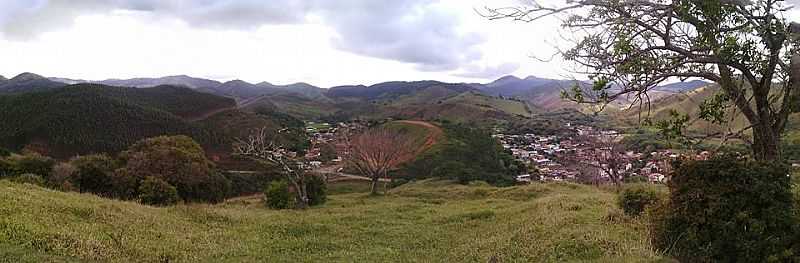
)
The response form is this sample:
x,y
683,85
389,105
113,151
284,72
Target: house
x,y
525,178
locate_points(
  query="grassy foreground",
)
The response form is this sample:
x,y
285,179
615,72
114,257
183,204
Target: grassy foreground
x,y
430,221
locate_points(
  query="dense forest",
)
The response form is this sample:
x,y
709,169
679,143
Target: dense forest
x,y
90,118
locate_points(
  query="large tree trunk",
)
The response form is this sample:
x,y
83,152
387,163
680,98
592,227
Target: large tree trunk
x,y
766,144
375,180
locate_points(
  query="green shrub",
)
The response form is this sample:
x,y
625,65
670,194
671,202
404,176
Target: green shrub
x,y
726,210
317,190
635,198
123,185
29,179
4,152
181,162
154,191
94,174
29,162
276,195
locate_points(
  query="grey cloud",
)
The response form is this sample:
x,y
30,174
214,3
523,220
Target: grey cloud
x,y
409,31
412,31
488,72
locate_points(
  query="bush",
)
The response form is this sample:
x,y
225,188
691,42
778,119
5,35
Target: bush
x,y
94,174
317,190
60,178
276,195
634,199
123,185
29,179
726,210
30,162
179,161
247,184
154,191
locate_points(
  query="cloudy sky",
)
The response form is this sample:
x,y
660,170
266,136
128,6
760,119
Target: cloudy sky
x,y
323,42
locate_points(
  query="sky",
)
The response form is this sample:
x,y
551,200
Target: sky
x,y
321,42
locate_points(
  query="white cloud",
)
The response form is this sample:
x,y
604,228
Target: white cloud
x,y
322,42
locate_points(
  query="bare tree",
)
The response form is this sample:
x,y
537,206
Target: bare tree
x,y
263,148
628,47
376,151
605,154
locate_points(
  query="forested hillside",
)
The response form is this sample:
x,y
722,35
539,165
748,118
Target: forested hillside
x,y
89,118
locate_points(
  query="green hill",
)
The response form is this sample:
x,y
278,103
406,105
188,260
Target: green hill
x,y
418,222
89,118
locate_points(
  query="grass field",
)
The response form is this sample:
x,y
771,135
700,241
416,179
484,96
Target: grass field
x,y
429,221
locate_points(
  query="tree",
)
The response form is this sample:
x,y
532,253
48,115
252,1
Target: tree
x,y
179,161
93,174
264,149
747,47
376,151
604,153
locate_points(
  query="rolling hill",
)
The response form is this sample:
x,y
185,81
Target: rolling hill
x,y
87,118
27,82
415,222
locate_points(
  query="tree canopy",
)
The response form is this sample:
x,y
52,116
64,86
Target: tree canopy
x,y
627,48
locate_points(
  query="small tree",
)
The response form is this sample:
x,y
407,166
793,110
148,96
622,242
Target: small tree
x,y
376,151
93,173
264,149
276,195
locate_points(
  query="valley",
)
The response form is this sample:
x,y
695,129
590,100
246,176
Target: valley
x,y
503,171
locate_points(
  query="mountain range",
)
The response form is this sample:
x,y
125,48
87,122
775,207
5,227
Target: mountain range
x,y
540,93
504,99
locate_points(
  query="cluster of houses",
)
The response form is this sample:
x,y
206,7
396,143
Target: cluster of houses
x,y
571,157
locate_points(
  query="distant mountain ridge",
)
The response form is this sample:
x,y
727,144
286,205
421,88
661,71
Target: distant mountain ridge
x,y
27,82
394,98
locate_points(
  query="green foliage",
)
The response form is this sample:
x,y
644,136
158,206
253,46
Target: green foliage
x,y
327,152
89,118
94,174
247,184
645,140
154,191
713,109
672,129
726,210
276,195
4,152
181,162
465,155
317,190
29,179
635,198
29,162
